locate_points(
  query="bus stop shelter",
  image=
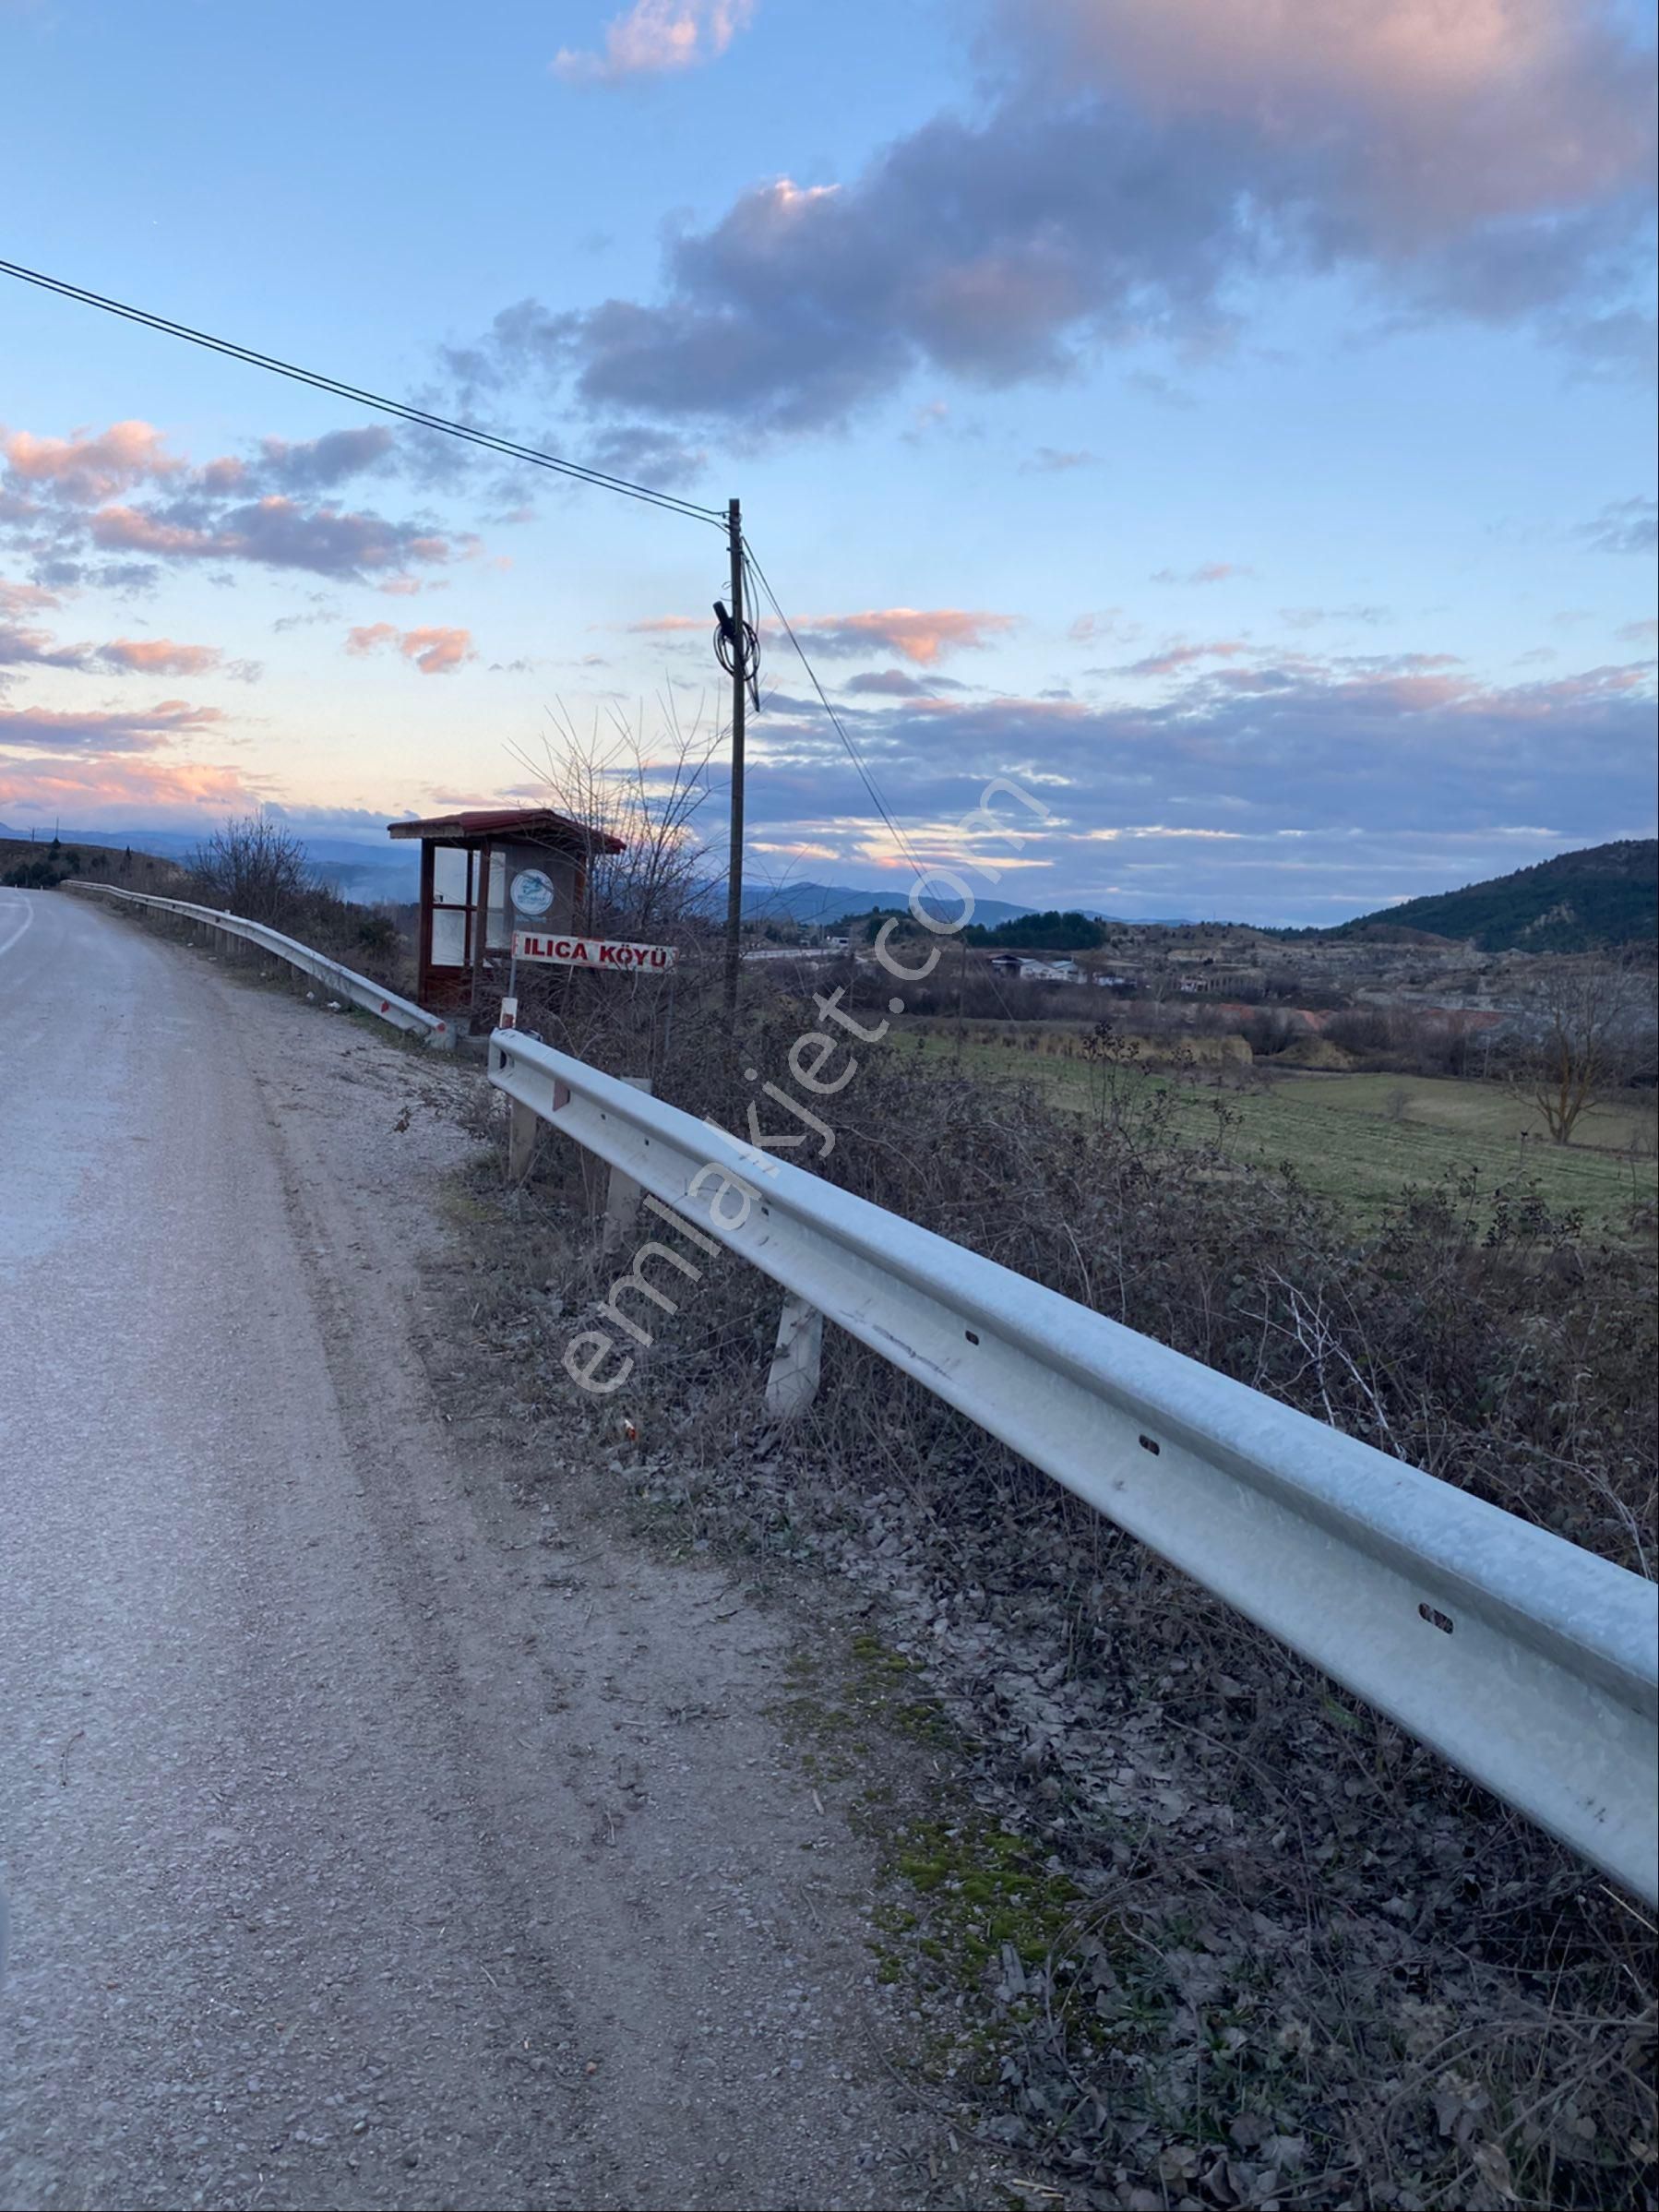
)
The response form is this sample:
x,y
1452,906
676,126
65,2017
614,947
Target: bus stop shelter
x,y
472,864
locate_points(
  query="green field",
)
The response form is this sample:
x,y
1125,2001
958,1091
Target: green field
x,y
1363,1139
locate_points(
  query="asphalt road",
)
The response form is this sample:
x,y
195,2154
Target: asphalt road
x,y
354,1857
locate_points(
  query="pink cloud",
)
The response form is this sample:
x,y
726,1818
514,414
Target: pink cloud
x,y
1182,657
434,650
666,624
1207,572
1186,54
52,730
921,635
21,644
161,656
657,38
25,598
112,791
277,533
273,508
1446,111
83,469
129,530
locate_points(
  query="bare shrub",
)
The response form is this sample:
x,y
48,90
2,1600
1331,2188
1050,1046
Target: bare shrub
x,y
1270,1030
255,867
646,791
1360,1030
1592,1018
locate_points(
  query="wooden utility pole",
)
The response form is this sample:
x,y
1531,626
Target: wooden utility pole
x,y
740,676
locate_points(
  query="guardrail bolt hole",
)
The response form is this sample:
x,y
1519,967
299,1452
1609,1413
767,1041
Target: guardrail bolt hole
x,y
1150,1444
972,1335
1436,1619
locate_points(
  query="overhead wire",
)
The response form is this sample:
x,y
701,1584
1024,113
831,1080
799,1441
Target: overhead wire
x,y
918,870
489,442
864,776
600,479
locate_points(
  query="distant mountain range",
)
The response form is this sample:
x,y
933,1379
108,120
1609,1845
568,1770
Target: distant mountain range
x,y
815,903
357,871
1604,895
366,874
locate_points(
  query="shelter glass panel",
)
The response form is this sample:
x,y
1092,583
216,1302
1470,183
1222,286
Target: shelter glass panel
x,y
451,875
449,936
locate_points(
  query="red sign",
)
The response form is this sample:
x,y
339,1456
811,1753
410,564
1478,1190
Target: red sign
x,y
593,952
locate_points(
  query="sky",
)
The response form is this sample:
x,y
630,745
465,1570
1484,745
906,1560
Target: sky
x,y
1232,424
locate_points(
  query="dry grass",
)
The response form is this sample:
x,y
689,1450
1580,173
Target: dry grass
x,y
1337,1131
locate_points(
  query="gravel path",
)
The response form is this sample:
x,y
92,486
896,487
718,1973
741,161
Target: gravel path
x,y
370,1840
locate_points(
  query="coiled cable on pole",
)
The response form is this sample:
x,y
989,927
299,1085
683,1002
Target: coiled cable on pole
x,y
737,653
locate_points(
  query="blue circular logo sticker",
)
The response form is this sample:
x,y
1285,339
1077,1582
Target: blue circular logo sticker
x,y
532,893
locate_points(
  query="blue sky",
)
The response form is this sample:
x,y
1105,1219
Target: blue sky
x,y
1236,425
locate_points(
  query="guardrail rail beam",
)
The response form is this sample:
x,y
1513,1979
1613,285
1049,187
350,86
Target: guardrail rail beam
x,y
1527,1662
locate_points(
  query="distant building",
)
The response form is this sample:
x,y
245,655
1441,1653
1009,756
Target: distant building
x,y
1027,968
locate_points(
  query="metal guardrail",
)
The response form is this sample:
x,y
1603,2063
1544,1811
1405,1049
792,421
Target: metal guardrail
x,y
1527,1662
373,998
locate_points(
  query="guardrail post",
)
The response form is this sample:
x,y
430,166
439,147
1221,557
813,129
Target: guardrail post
x,y
793,1383
622,1193
521,1126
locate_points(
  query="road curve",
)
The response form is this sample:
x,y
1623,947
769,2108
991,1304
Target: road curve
x,y
349,1862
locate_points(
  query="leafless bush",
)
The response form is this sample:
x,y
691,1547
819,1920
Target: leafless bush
x,y
644,791
1360,1030
254,867
1594,1014
1270,1030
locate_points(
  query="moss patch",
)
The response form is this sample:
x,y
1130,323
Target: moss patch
x,y
988,1889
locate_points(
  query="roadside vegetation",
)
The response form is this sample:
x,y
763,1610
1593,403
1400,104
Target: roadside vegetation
x,y
28,864
257,869
1174,1920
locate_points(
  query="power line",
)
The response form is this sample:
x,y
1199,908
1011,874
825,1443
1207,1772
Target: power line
x,y
868,781
577,469
854,755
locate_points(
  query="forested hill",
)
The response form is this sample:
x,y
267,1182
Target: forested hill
x,y
1604,895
